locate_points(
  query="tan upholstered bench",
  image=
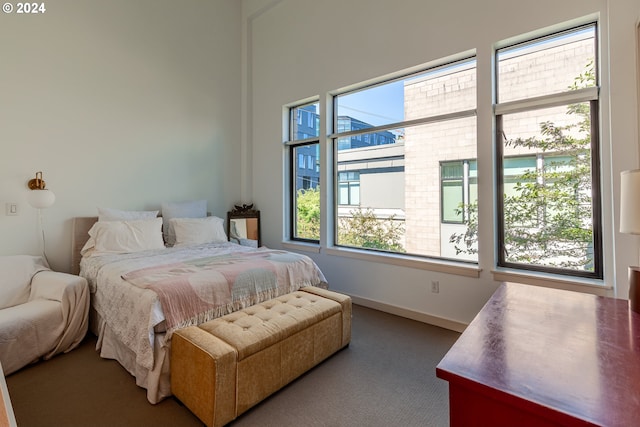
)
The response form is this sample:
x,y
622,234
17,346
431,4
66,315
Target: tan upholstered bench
x,y
221,368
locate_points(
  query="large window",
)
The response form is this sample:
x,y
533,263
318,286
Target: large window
x,y
405,169
395,135
547,144
303,143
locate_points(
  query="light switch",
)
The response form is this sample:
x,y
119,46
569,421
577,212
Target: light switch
x,y
12,208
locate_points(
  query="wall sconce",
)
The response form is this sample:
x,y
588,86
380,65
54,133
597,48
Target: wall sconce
x,y
40,197
630,224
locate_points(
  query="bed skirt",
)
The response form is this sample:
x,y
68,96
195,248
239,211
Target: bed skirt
x,y
156,381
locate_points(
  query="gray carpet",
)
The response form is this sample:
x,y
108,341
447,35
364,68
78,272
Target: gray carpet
x,y
386,377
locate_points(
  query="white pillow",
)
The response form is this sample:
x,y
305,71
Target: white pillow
x,y
193,231
109,214
194,209
124,236
15,280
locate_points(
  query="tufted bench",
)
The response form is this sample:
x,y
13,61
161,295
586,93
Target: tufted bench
x,y
221,368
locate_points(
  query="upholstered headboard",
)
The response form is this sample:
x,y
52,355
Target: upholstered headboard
x,y
79,236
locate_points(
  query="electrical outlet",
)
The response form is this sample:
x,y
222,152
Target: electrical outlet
x,y
435,286
12,208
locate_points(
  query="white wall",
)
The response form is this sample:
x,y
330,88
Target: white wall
x,y
296,49
121,104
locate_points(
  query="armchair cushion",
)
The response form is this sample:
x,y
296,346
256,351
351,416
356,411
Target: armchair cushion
x,y
15,280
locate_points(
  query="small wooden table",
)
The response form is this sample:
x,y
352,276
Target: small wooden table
x,y
544,357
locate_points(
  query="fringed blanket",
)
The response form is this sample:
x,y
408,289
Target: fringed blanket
x,y
196,291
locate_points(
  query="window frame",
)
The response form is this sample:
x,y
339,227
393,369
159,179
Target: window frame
x,y
566,98
294,119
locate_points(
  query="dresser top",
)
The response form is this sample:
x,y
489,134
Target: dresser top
x,y
562,352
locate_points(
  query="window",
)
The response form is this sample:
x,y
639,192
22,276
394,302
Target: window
x,y
304,149
404,163
349,188
396,134
547,154
458,188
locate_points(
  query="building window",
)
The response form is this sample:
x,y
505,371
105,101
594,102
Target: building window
x,y
304,148
396,134
349,188
458,190
547,154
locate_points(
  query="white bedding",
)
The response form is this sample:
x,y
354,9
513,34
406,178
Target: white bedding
x,y
133,315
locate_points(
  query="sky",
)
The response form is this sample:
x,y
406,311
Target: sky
x,y
365,105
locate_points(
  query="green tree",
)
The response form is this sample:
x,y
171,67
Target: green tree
x,y
308,213
548,216
364,230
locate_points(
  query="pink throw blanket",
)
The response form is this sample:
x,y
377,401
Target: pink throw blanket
x,y
199,290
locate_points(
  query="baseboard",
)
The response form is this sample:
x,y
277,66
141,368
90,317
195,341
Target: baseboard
x,y
452,325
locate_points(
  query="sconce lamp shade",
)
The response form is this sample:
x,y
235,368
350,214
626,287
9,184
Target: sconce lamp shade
x,y
630,201
41,199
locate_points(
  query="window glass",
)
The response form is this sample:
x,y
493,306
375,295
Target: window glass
x,y
546,66
306,193
309,128
407,196
452,86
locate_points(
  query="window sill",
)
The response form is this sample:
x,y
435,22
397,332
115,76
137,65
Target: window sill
x,y
442,266
592,286
302,246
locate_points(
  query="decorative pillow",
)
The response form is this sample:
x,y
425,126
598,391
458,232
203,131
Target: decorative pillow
x,y
194,209
193,231
109,214
124,237
15,280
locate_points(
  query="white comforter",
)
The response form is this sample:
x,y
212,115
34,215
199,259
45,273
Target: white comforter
x,y
134,312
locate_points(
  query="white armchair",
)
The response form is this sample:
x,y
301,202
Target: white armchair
x,y
42,312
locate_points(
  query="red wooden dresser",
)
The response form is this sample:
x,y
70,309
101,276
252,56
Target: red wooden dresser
x,y
543,357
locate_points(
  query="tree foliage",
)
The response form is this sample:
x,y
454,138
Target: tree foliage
x,y
548,216
308,213
364,230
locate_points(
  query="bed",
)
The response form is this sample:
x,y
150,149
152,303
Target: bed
x,y
139,298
